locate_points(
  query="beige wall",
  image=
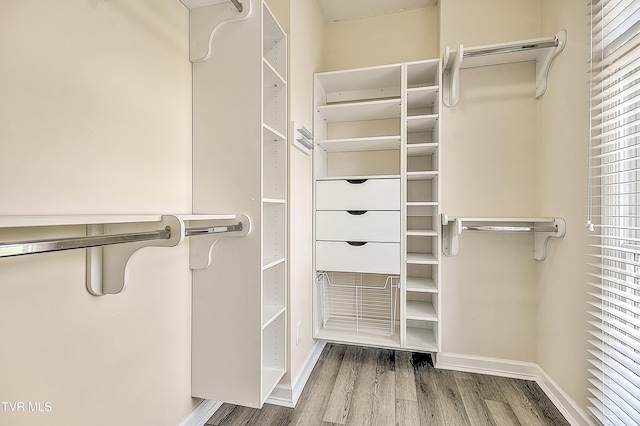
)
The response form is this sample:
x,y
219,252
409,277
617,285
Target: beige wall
x,y
488,150
307,27
397,37
562,177
95,117
506,154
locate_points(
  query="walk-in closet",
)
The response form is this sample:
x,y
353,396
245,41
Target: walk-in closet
x,y
275,211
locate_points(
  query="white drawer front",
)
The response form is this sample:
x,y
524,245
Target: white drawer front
x,y
370,194
373,258
358,225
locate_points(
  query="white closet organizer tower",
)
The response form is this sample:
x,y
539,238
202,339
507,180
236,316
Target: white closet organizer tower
x,y
377,233
239,165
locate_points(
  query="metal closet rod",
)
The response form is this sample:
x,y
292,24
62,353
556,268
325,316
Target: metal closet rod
x,y
510,49
237,4
59,244
496,228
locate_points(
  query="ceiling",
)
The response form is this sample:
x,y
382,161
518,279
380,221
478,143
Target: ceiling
x,y
338,10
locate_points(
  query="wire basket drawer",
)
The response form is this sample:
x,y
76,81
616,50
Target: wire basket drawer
x,y
361,303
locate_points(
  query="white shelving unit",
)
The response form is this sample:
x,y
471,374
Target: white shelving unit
x,y
240,163
376,169
358,218
421,149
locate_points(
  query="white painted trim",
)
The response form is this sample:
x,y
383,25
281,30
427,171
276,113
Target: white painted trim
x,y
288,395
518,370
485,365
567,406
201,413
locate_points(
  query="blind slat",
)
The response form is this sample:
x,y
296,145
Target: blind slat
x,y
614,203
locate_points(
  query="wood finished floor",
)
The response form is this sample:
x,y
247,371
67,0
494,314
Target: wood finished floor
x,y
353,385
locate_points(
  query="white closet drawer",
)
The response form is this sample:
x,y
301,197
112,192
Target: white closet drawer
x,y
373,258
363,194
358,225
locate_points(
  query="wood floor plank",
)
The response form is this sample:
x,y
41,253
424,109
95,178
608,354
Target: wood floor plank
x,y
473,398
370,389
545,407
429,408
340,400
271,415
407,413
405,377
220,414
501,414
314,398
453,408
490,389
240,416
525,410
384,403
362,399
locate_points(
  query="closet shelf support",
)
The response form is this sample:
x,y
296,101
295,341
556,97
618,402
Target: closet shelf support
x,y
205,238
543,229
111,241
543,51
217,14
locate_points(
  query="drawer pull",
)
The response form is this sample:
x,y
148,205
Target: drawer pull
x,y
356,243
356,181
356,212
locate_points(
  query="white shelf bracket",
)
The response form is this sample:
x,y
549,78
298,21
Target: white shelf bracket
x,y
451,230
543,63
542,230
107,266
451,77
542,51
206,18
541,238
201,246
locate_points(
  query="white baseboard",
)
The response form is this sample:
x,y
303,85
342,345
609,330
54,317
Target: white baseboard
x,y
518,370
202,413
288,395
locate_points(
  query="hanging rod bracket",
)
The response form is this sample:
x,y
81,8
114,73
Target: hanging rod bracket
x,y
206,18
541,51
543,63
208,233
107,269
451,77
543,229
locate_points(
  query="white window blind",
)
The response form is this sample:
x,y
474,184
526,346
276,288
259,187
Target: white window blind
x,y
614,211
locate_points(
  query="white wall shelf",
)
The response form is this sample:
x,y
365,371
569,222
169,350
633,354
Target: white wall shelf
x,y
421,259
421,284
361,111
422,123
375,143
543,228
421,149
542,51
418,310
423,175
